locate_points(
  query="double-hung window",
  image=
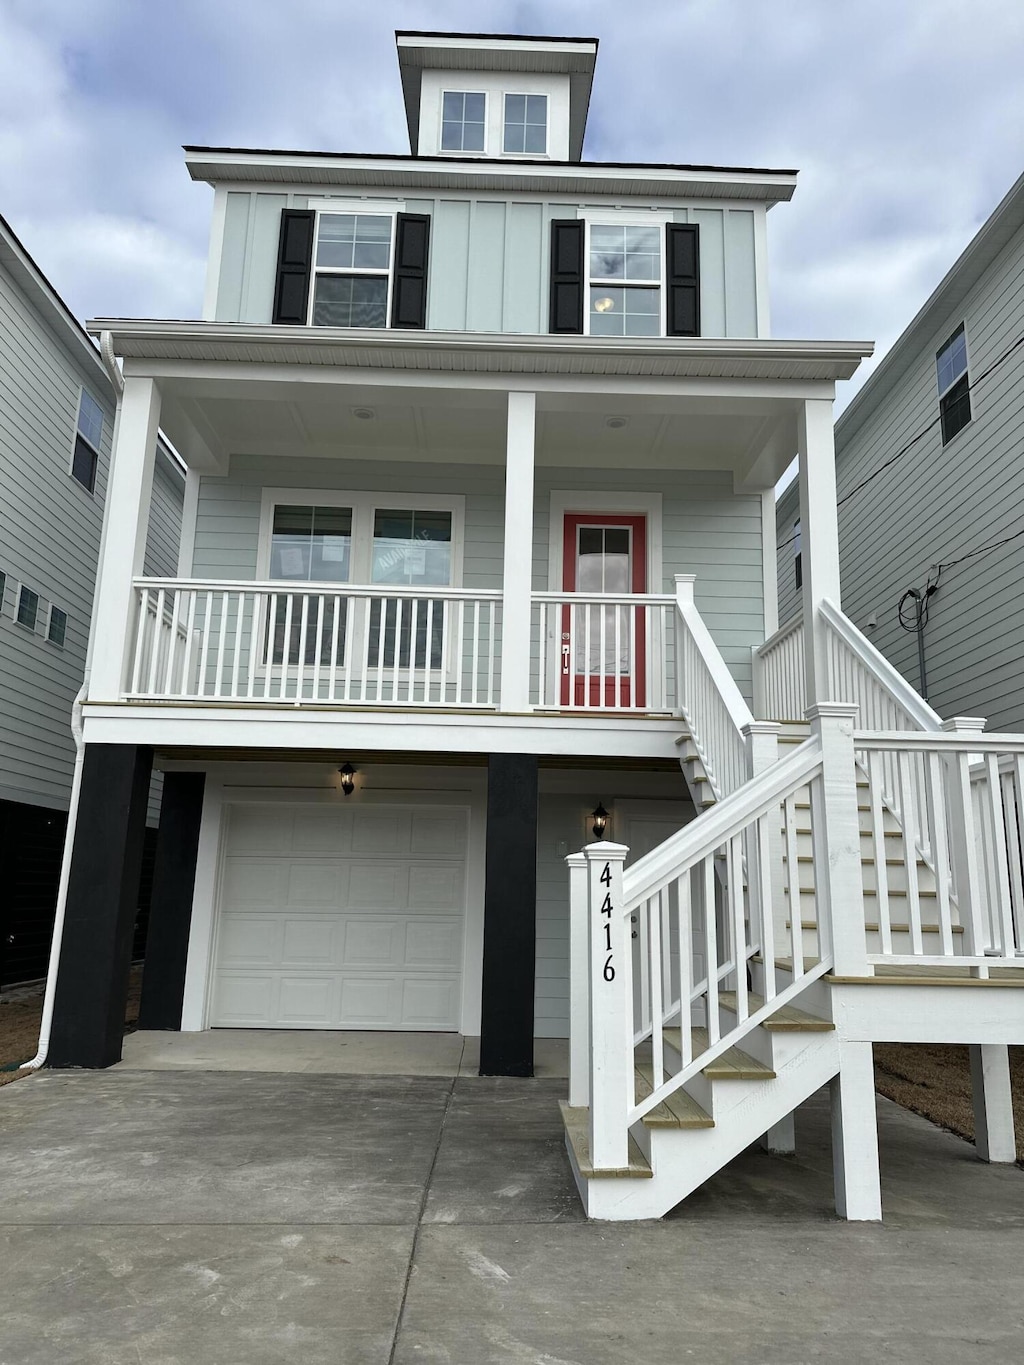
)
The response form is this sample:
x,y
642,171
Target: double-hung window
x,y
463,121
309,545
624,280
352,269
88,439
411,548
56,626
526,125
28,607
954,385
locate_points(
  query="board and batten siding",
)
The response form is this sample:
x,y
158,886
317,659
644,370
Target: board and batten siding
x,y
49,541
489,259
938,502
707,530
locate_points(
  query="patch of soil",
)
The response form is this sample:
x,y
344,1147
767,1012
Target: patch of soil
x,y
20,1018
934,1080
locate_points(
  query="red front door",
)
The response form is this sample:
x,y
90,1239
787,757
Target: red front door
x,y
602,659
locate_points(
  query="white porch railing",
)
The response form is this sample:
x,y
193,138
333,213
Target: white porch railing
x,y
961,798
322,643
779,689
709,699
603,651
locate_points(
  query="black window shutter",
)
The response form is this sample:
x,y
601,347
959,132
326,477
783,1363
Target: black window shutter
x,y
409,292
683,255
294,265
566,275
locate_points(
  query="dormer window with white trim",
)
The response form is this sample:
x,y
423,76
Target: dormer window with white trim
x,y
526,125
352,269
463,121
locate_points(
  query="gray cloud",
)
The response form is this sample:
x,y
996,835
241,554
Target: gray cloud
x,y
906,118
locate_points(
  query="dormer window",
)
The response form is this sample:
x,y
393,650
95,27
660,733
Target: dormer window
x,y
526,124
463,121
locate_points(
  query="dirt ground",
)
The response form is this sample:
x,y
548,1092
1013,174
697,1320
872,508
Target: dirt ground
x,y
19,1024
929,1079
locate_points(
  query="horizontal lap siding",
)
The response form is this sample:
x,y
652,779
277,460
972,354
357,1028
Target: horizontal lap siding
x,y
938,502
786,512
49,540
488,264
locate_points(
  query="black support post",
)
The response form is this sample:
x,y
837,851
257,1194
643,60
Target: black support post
x,y
170,911
510,916
103,893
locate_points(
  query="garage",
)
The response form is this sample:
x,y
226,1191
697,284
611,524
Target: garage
x,y
335,917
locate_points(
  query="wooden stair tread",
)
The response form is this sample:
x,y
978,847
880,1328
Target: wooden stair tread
x,y
577,1130
786,1019
680,1110
732,1065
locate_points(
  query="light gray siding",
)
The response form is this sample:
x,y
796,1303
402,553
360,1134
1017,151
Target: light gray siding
x,y
488,269
787,510
49,540
706,528
937,502
164,531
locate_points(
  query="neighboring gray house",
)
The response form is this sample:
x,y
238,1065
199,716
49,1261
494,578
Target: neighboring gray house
x,y
945,407
57,409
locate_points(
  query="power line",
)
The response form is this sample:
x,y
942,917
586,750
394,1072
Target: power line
x,y
981,550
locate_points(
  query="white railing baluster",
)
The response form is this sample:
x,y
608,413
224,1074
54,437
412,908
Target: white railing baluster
x,y
428,669
236,649
222,633
656,987
140,641
172,650
714,1023
878,849
687,981
332,690
190,629
796,925
204,648
1000,875
300,675
939,843
318,644
154,648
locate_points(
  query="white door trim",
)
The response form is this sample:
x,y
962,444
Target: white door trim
x,y
626,504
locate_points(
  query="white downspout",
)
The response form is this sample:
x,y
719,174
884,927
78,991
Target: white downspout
x,y
46,1023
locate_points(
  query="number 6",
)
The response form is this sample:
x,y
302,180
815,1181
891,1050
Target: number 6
x,y
609,970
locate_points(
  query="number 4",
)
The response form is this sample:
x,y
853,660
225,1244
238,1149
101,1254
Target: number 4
x,y
606,875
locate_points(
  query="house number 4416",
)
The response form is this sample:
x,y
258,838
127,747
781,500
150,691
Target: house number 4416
x,y
606,924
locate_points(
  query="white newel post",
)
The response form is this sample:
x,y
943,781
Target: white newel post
x,y
819,524
579,982
611,1008
126,519
517,581
838,883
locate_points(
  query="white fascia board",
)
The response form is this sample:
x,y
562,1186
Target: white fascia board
x,y
216,167
438,43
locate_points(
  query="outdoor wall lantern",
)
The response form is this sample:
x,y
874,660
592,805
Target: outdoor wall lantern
x,y
348,779
600,818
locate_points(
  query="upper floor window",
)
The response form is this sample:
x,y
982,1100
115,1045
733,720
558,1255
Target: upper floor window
x,y
526,124
954,385
624,265
88,439
353,269
463,121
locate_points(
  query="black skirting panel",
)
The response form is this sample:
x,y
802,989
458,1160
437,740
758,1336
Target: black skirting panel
x,y
92,980
31,848
510,916
170,912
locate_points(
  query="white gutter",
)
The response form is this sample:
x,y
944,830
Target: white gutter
x,y
56,942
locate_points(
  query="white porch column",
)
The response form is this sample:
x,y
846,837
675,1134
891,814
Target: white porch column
x,y
126,520
855,1136
611,1022
993,1102
819,527
517,582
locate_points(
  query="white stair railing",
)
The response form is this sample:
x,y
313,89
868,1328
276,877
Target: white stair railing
x,y
712,705
779,673
695,933
319,643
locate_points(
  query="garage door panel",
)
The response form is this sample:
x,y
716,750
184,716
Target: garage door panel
x,y
377,830
329,919
438,834
317,884
376,883
433,943
307,1001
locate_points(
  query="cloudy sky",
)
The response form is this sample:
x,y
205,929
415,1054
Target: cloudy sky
x,y
905,117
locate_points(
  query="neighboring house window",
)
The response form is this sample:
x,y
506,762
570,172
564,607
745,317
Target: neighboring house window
x,y
798,563
625,279
57,627
88,439
28,607
353,269
463,121
338,266
3,590
954,385
526,124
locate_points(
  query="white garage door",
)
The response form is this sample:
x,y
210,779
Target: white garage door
x,y
340,918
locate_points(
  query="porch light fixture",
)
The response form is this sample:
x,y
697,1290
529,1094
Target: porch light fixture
x,y
600,817
348,779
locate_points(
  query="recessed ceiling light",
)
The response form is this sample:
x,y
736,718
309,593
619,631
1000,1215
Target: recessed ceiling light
x,y
616,423
364,414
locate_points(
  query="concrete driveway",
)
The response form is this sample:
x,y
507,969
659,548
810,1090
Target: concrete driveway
x,y
237,1218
